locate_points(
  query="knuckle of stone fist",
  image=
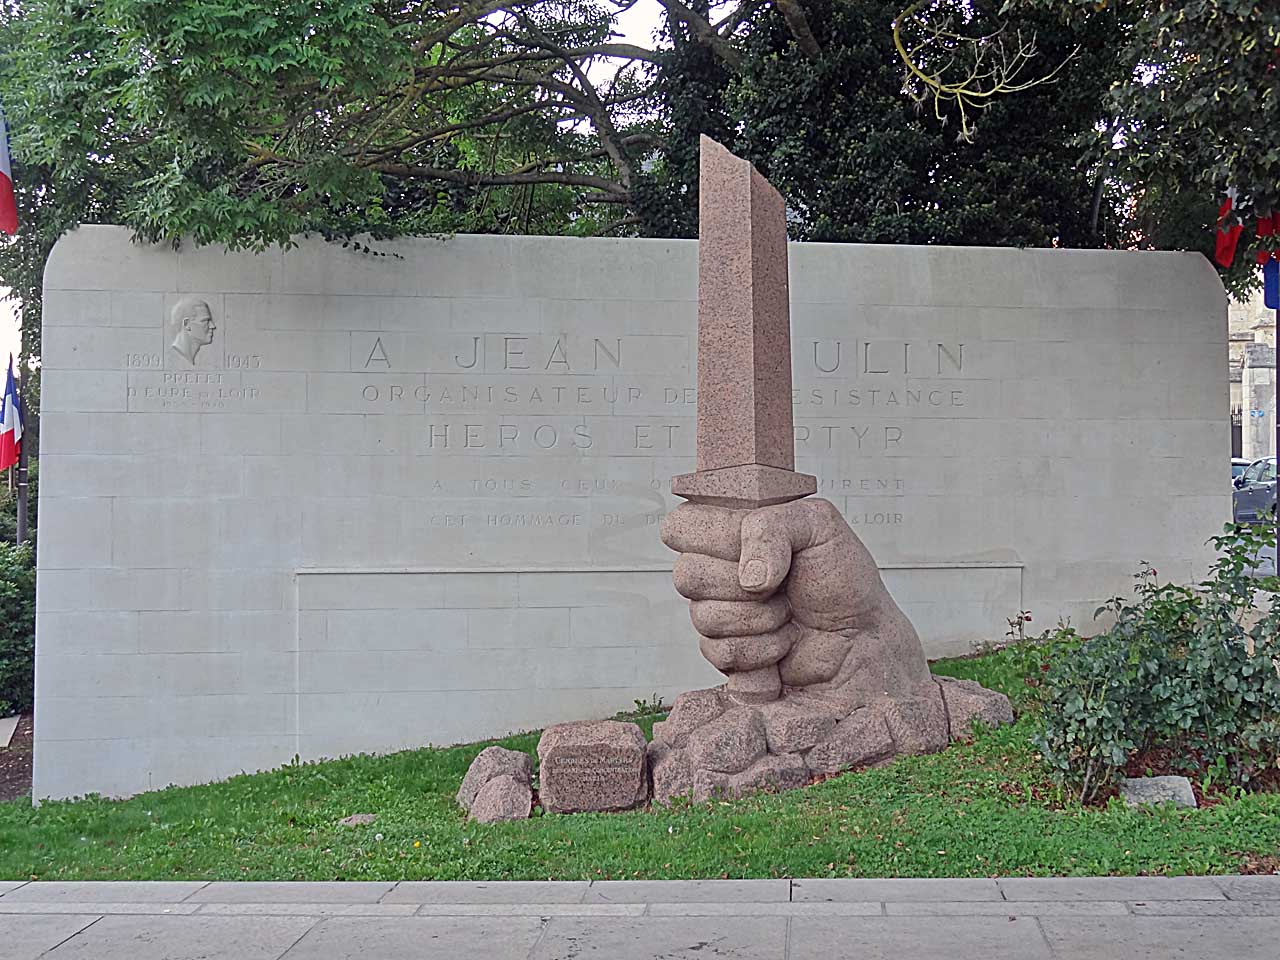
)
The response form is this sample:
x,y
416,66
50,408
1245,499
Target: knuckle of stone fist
x,y
726,618
698,577
747,653
668,530
815,657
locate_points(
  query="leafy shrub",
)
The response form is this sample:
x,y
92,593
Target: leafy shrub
x,y
1015,665
17,627
1179,668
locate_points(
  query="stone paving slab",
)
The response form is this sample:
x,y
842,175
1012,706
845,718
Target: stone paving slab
x,y
1159,938
357,891
1111,888
1207,908
7,885
418,938
304,909
1080,918
895,890
102,908
687,891
104,891
919,938
673,938
27,938
819,908
184,938
1007,908
507,891
1250,888
532,909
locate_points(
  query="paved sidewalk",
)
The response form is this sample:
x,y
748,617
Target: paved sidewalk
x,y
1104,918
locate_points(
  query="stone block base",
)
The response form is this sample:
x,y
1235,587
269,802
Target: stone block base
x,y
592,766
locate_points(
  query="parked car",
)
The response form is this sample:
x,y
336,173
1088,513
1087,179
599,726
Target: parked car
x,y
1238,466
1254,496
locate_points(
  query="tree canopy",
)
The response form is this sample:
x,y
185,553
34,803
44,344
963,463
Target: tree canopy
x,y
253,121
858,160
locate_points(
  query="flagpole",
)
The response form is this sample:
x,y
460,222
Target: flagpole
x,y
22,473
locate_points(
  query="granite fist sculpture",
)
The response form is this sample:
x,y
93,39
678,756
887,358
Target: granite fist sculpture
x,y
788,594
825,672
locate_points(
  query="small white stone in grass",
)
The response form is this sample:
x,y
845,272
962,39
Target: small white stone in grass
x,y
1142,791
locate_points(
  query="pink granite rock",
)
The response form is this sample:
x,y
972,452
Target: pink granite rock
x,y
860,739
968,701
792,725
917,724
671,771
502,798
769,773
489,763
730,743
691,710
783,771
592,766
710,785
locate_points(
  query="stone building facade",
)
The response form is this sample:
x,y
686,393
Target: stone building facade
x,y
1251,340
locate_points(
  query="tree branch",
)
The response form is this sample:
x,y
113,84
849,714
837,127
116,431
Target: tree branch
x,y
703,32
798,24
474,179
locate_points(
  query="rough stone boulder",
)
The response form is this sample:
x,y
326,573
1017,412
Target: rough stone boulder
x,y
502,798
967,701
1152,791
714,746
592,766
490,764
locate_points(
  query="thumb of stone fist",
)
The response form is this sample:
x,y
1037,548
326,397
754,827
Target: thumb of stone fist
x,y
831,619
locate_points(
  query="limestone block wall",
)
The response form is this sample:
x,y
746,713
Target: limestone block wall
x,y
363,503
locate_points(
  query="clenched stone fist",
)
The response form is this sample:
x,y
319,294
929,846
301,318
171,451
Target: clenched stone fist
x,y
825,671
787,594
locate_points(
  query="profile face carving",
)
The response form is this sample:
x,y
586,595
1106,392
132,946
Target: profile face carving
x,y
193,321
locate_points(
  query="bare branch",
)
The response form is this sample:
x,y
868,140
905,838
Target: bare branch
x,y
993,72
615,224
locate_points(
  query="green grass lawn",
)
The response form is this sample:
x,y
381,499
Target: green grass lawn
x,y
979,809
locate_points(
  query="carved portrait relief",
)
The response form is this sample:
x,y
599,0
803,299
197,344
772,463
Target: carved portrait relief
x,y
191,327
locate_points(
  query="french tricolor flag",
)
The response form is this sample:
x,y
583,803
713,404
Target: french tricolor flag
x,y
10,421
8,205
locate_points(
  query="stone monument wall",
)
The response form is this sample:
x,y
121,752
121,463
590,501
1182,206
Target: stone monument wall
x,y
363,503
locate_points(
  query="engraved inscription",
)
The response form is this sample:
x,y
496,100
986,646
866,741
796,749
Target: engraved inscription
x,y
832,356
189,390
592,771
